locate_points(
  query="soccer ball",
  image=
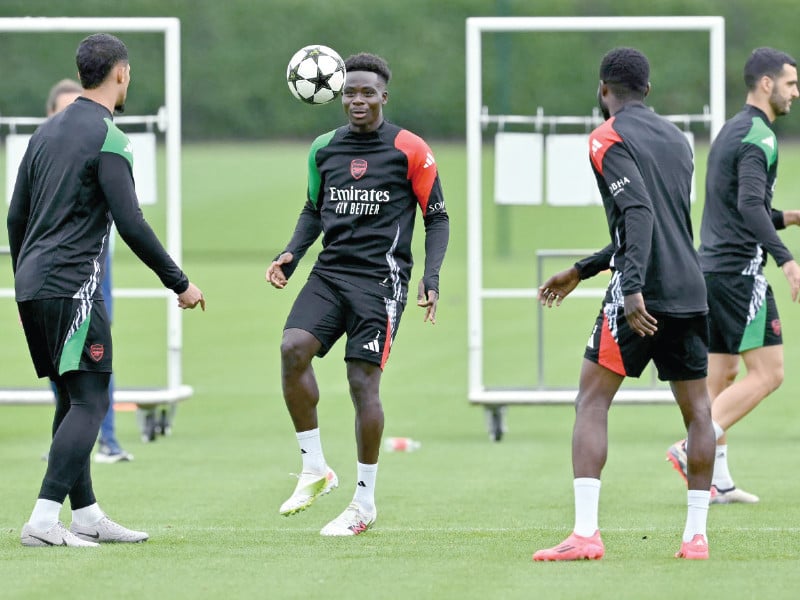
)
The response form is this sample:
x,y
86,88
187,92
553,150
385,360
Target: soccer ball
x,y
315,74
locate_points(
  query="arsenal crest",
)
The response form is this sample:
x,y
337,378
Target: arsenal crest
x,y
358,166
96,351
776,326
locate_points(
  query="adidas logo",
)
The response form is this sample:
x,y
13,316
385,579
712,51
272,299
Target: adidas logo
x,y
374,345
769,141
128,148
362,484
429,160
596,146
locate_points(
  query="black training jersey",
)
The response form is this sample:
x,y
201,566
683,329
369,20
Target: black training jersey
x,y
363,193
75,178
643,165
739,223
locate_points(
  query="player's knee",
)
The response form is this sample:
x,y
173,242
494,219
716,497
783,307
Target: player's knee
x,y
294,353
364,383
359,384
730,373
773,378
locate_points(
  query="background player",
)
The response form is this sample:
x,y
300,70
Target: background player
x,y
366,181
737,232
74,178
655,305
61,95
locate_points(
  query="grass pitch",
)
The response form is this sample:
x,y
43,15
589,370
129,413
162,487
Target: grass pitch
x,y
459,518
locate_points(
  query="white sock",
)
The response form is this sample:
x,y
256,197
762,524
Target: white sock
x,y
696,514
311,451
88,515
587,501
722,479
365,489
45,514
718,433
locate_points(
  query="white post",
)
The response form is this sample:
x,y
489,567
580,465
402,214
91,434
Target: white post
x,y
717,75
172,83
474,193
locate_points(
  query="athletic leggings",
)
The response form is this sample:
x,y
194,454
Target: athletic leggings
x,y
81,404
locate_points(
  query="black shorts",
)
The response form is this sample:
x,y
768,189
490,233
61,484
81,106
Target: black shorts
x,y
679,349
742,314
328,308
67,334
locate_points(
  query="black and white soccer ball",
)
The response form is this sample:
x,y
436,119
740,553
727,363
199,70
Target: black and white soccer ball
x,y
315,74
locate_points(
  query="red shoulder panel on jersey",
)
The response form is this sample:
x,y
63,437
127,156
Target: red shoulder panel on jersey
x,y
600,140
421,165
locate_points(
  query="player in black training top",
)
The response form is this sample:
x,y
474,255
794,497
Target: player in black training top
x,y
366,182
75,177
737,232
655,305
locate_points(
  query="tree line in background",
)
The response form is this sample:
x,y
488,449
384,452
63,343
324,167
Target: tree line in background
x,y
234,57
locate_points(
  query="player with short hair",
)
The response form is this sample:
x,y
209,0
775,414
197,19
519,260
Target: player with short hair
x,y
61,95
366,181
74,179
655,304
737,232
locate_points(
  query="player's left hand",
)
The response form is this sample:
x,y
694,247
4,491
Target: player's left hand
x,y
428,302
641,321
192,297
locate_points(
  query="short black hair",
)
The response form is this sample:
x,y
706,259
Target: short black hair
x,y
96,56
364,61
65,86
765,61
626,71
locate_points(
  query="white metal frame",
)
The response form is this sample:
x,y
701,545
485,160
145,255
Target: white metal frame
x,y
169,121
478,117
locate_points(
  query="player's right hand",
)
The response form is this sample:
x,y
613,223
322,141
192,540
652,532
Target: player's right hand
x,y
192,297
558,287
641,321
275,275
792,271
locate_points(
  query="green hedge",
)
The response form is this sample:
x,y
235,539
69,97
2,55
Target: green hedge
x,y
235,52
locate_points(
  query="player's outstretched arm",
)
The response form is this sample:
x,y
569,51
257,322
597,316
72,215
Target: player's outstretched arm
x,y
191,297
558,287
275,275
427,300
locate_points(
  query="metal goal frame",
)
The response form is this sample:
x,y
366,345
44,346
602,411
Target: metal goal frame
x,y
168,121
478,117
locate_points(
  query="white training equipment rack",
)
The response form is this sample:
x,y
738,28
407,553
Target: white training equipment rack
x,y
478,118
168,120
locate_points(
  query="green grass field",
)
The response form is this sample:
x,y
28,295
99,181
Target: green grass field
x,y
457,519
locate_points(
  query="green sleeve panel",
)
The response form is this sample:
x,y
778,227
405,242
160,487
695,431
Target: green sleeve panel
x,y
314,178
763,137
117,142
